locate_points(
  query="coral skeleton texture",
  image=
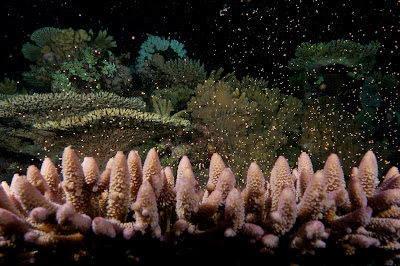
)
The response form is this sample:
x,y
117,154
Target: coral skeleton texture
x,y
295,210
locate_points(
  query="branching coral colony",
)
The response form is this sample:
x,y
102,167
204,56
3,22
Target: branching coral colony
x,y
298,213
132,212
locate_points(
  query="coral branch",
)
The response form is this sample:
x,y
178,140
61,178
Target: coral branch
x,y
74,185
368,173
119,191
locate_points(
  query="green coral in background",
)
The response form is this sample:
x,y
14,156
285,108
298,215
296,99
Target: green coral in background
x,y
87,73
346,72
276,127
328,127
186,72
162,63
325,68
166,72
102,41
60,82
8,86
175,80
75,60
223,118
341,52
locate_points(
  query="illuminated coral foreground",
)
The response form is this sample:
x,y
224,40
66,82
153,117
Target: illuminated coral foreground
x,y
297,210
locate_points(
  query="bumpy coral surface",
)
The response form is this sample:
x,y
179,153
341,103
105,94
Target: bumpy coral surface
x,y
35,124
139,211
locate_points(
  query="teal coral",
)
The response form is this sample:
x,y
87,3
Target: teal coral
x,y
169,48
41,38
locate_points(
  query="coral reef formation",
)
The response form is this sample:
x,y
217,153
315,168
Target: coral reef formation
x,y
347,72
215,100
327,126
75,60
333,68
163,64
259,197
297,211
342,52
95,124
165,49
181,73
249,121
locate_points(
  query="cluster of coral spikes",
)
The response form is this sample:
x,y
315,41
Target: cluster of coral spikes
x,y
308,210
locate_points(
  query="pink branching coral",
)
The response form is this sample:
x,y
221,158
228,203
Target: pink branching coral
x,y
298,211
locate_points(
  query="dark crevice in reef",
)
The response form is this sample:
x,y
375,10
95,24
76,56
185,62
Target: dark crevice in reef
x,y
190,250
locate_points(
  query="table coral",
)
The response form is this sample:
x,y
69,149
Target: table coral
x,y
40,123
342,52
331,217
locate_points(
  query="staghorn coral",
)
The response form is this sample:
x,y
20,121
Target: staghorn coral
x,y
162,107
178,96
319,220
40,123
